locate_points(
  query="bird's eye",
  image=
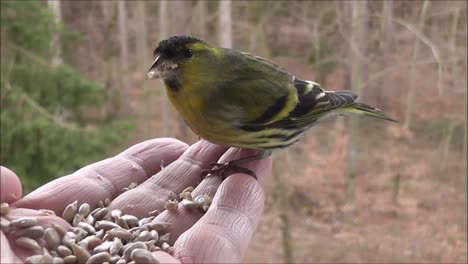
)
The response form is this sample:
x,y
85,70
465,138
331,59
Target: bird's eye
x,y
188,53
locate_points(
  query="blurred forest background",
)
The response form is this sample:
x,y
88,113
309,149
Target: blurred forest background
x,y
74,91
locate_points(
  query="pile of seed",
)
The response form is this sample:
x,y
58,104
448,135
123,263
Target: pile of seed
x,y
98,236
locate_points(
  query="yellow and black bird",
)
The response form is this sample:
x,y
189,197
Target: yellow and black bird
x,y
233,98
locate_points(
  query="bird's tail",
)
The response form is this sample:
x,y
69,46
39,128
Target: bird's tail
x,y
367,110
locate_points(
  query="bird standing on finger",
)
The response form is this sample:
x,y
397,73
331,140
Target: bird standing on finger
x,y
233,98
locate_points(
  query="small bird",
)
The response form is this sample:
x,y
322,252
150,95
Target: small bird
x,y
233,98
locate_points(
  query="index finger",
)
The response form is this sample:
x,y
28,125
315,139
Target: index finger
x,y
105,179
224,232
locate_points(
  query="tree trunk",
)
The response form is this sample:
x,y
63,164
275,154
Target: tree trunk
x,y
55,44
282,196
412,72
179,26
124,68
143,61
387,38
163,34
358,20
225,24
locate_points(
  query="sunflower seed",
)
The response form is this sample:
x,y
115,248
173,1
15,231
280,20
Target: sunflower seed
x,y
99,258
107,225
207,200
143,236
94,211
142,256
70,211
132,185
154,235
139,228
24,222
84,244
47,258
116,246
121,261
145,220
57,260
93,242
77,219
4,209
87,227
107,201
64,251
159,226
171,206
165,246
101,213
186,196
51,238
100,204
84,209
120,233
190,204
132,246
132,221
71,259
114,259
60,230
35,259
104,247
80,233
27,242
31,232
188,189
89,219
81,254
100,234
116,213
122,223
164,238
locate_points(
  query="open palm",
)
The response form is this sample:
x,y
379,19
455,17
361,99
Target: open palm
x,y
162,168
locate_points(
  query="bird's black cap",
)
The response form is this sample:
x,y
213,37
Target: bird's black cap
x,y
171,45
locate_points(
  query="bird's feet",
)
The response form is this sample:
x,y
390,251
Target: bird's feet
x,y
226,169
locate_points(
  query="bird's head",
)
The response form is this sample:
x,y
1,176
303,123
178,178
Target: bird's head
x,y
173,54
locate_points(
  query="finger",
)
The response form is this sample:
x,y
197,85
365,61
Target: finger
x,y
224,232
10,190
168,183
106,178
6,252
44,219
185,218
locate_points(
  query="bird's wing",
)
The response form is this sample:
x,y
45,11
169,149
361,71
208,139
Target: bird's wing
x,y
313,103
261,91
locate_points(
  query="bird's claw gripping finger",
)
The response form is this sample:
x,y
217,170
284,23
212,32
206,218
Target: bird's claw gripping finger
x,y
224,170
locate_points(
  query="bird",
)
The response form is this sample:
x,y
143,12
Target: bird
x,y
237,99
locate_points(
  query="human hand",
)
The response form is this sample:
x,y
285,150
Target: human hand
x,y
220,235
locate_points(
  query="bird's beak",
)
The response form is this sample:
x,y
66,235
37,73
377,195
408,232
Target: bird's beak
x,y
153,72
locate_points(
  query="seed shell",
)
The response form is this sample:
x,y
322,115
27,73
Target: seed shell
x,y
142,256
31,232
24,222
70,211
27,242
81,254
